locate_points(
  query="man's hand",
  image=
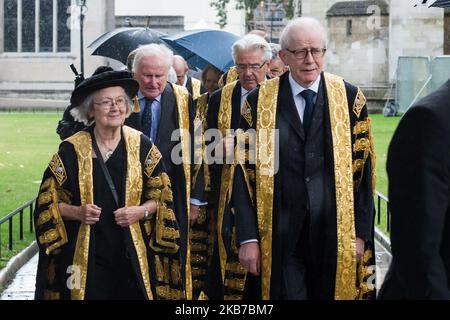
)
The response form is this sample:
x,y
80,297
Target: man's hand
x,y
194,213
250,257
360,243
89,214
128,215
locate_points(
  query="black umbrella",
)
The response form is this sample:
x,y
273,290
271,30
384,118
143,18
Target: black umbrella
x,y
436,3
441,4
118,44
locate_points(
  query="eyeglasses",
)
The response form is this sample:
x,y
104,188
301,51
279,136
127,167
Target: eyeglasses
x,y
303,53
251,67
107,103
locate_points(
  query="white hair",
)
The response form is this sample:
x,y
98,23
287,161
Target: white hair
x,y
153,50
172,76
306,24
81,112
251,42
275,47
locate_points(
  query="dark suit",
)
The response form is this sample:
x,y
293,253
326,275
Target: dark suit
x,y
418,168
304,211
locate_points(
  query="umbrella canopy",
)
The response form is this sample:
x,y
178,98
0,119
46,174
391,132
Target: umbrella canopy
x,y
441,4
118,43
202,47
434,3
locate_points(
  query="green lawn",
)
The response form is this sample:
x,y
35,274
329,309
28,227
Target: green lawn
x,y
29,140
383,129
27,143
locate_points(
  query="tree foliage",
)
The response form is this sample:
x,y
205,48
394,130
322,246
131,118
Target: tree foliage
x,y
248,6
220,6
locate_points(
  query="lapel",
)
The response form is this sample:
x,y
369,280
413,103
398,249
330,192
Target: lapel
x,y
319,107
286,106
236,106
189,85
168,103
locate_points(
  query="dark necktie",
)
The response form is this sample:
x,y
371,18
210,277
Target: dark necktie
x,y
308,95
147,117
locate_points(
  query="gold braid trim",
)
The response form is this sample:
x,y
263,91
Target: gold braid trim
x,y
196,84
58,232
345,287
224,123
362,144
51,295
246,112
133,191
152,160
361,127
359,103
373,158
182,97
59,228
168,293
265,171
57,167
166,236
83,148
232,75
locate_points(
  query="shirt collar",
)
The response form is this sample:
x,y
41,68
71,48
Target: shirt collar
x,y
244,91
185,81
141,97
296,88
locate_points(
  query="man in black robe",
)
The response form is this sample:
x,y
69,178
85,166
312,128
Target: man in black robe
x,y
305,189
418,167
165,113
251,56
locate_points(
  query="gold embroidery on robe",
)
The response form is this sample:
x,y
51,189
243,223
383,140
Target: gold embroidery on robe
x,y
182,98
196,85
246,113
345,287
265,171
152,160
359,103
57,167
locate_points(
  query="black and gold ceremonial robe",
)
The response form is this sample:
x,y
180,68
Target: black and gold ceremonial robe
x,y
79,261
194,87
228,77
223,114
202,236
177,114
308,195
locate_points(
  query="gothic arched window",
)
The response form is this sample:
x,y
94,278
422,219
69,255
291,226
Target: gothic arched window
x,y
33,26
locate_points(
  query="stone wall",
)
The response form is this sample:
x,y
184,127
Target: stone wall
x,y
362,56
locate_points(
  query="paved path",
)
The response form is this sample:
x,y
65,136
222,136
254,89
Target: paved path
x,y
22,287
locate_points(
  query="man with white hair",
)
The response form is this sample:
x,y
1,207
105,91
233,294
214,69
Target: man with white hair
x,y
251,55
163,109
194,86
276,66
311,207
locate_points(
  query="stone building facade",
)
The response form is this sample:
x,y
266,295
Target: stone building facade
x,y
39,41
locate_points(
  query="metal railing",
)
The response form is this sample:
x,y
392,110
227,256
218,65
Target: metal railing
x,y
380,198
9,219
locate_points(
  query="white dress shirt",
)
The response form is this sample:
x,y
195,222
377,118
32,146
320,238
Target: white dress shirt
x,y
298,99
